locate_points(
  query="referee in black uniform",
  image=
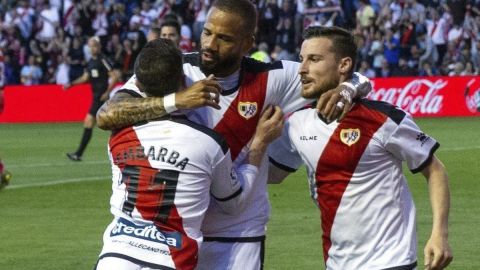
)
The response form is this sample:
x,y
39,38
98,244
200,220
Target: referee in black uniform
x,y
102,79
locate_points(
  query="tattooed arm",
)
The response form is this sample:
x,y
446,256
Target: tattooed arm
x,y
124,110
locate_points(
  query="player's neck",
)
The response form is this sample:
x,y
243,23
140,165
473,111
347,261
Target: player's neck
x,y
230,81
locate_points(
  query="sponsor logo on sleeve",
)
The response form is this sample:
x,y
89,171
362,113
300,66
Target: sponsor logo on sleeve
x,y
423,138
149,232
350,136
247,109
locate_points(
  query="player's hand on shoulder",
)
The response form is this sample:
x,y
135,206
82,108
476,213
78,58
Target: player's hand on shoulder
x,y
202,93
335,103
270,124
438,253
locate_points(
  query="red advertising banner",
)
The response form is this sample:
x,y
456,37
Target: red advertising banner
x,y
430,96
420,96
45,103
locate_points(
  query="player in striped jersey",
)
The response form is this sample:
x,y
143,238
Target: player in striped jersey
x,y
354,168
164,172
244,88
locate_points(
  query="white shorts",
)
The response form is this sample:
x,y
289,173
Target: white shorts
x,y
109,263
215,255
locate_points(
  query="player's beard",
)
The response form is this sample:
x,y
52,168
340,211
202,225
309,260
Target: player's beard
x,y
318,89
218,66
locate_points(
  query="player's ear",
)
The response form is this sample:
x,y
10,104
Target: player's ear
x,y
345,65
248,43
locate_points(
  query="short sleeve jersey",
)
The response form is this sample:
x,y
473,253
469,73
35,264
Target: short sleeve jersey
x,y
260,84
163,174
355,176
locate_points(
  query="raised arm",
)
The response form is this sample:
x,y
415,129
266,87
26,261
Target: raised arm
x,y
335,103
123,109
438,253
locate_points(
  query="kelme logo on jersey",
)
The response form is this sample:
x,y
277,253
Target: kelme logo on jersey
x,y
350,136
247,109
150,232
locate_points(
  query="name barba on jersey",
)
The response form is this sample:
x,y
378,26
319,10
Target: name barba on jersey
x,y
156,153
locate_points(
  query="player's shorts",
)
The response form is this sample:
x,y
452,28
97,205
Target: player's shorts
x,y
96,104
143,245
109,263
233,255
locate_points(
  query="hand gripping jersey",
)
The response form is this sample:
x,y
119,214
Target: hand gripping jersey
x,y
163,175
355,175
259,85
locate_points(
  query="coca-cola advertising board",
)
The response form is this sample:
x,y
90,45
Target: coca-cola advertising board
x,y
420,96
430,96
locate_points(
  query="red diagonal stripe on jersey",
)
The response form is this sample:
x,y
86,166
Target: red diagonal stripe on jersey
x,y
127,151
337,165
236,129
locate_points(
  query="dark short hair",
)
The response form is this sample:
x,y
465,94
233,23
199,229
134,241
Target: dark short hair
x,y
243,8
171,23
343,42
159,67
156,30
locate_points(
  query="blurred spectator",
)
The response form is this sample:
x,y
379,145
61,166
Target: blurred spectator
x,y
261,54
3,80
391,48
200,8
439,33
286,34
100,24
268,21
469,69
76,59
48,20
437,27
430,53
376,52
118,20
128,56
427,70
385,70
456,69
31,73
170,30
280,53
366,70
12,70
62,71
403,70
365,14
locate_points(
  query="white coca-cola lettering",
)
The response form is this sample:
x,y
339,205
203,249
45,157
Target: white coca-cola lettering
x,y
419,95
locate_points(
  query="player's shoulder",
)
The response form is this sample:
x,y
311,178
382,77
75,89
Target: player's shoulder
x,y
300,116
254,66
392,112
205,134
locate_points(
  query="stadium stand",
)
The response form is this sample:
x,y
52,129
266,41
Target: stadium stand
x,y
426,37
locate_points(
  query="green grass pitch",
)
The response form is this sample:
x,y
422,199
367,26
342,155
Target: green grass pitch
x,y
54,212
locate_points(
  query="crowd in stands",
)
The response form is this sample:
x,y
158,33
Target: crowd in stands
x,y
44,41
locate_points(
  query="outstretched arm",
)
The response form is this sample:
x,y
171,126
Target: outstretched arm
x,y
124,109
438,253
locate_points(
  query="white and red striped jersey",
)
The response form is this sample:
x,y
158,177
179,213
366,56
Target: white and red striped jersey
x,y
355,177
258,85
164,175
